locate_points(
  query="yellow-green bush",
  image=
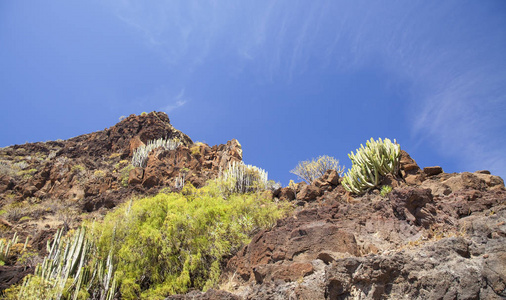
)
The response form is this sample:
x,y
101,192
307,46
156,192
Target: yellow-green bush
x,y
152,247
170,243
125,174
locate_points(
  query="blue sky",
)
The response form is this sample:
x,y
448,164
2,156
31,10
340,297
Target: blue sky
x,y
291,80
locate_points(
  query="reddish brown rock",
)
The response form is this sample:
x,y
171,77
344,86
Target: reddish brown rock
x,y
6,183
286,193
332,177
10,275
164,166
431,171
309,193
410,170
329,179
286,272
414,205
135,176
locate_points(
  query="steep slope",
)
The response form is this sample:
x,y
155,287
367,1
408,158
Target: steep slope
x,y
46,185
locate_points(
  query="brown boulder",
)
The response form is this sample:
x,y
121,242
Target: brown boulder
x,y
309,193
299,239
431,171
286,193
332,177
135,176
286,272
10,275
409,167
466,180
329,179
135,143
6,183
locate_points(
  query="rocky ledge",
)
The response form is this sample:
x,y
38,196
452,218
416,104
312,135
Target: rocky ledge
x,y
435,236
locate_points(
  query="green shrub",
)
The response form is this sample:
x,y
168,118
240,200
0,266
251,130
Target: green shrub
x,y
125,174
314,169
370,164
385,190
77,169
170,243
162,245
99,174
27,174
242,178
6,246
195,148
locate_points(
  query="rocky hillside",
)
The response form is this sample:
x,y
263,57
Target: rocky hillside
x,y
47,185
434,236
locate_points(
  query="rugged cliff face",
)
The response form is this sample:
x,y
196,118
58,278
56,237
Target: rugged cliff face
x,y
434,236
46,185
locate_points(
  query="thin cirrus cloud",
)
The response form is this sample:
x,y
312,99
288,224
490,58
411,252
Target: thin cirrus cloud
x,y
450,54
176,102
164,99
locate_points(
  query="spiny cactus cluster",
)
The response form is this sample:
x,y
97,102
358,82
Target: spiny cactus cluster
x,y
242,178
140,156
6,246
370,164
71,270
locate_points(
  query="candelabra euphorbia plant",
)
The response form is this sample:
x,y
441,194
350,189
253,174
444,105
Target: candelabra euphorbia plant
x,y
370,164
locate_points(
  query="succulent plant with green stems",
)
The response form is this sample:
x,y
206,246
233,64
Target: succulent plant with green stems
x,y
370,164
242,178
140,155
71,270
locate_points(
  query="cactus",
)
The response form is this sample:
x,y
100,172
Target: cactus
x,y
242,178
71,266
140,156
370,164
5,247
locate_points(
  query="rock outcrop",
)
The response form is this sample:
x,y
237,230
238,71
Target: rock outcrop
x,y
47,185
416,243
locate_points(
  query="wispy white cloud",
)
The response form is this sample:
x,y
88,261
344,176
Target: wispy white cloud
x,y
452,61
164,99
177,102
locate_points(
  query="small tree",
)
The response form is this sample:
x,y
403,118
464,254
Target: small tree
x,y
309,171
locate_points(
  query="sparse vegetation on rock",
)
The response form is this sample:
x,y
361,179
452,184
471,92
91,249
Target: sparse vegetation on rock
x,y
140,156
